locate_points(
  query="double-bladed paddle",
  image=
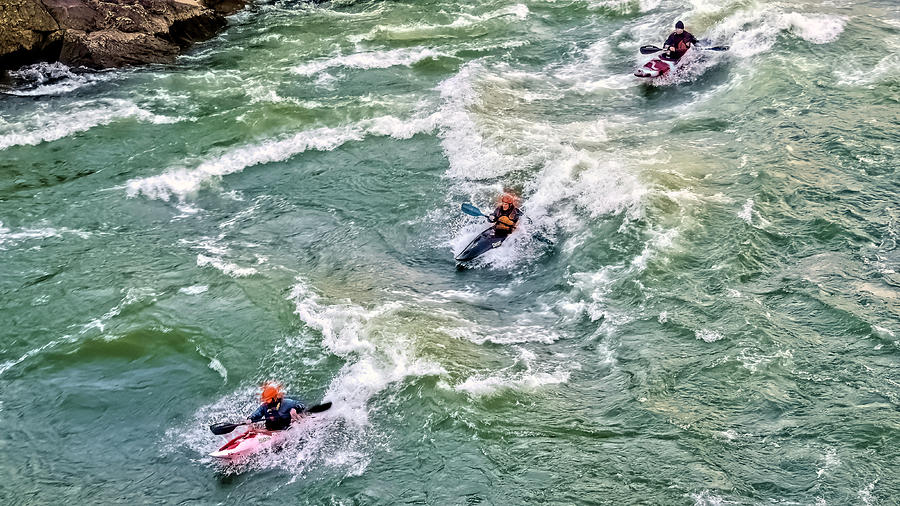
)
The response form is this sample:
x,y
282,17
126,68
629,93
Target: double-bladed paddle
x,y
654,49
224,428
471,210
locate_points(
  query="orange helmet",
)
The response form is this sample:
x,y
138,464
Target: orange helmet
x,y
270,392
507,199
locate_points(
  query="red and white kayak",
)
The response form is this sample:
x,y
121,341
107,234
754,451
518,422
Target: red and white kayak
x,y
253,441
659,66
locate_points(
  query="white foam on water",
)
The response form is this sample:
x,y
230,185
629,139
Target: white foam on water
x,y
370,60
746,212
54,79
46,124
194,289
850,74
755,30
883,332
754,361
751,215
10,238
709,336
376,356
729,434
865,494
597,185
523,375
815,28
707,498
217,366
470,153
625,6
829,461
214,364
182,181
229,269
517,12
507,334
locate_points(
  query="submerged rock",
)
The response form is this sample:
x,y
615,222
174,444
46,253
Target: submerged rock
x,y
106,33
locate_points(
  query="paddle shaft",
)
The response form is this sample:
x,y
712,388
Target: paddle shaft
x,y
654,49
225,428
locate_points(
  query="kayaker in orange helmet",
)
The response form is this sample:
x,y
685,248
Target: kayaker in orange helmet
x,y
505,216
277,410
678,42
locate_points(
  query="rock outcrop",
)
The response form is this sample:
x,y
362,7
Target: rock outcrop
x,y
106,33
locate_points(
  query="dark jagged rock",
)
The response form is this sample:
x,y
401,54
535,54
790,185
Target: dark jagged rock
x,y
106,33
27,32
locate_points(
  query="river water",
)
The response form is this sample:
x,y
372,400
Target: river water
x,y
715,322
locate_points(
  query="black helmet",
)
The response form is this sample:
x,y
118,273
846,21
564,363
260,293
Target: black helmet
x,y
679,25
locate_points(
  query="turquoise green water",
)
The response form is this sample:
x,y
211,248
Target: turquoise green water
x,y
716,322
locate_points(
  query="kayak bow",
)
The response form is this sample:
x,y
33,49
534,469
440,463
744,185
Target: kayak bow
x,y
485,242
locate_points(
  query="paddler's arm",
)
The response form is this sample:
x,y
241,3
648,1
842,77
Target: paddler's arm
x,y
297,410
667,45
257,415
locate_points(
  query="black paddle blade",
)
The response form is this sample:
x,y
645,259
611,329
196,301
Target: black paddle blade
x,y
715,48
223,428
650,49
319,408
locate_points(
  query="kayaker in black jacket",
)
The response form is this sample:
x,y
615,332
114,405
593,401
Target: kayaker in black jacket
x,y
678,42
505,217
277,410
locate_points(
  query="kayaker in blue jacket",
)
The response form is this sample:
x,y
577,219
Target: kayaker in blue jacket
x,y
505,216
678,42
277,410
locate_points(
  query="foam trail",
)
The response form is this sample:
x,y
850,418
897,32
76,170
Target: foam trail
x,y
45,126
755,30
182,181
425,31
370,60
227,268
9,238
530,377
373,364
